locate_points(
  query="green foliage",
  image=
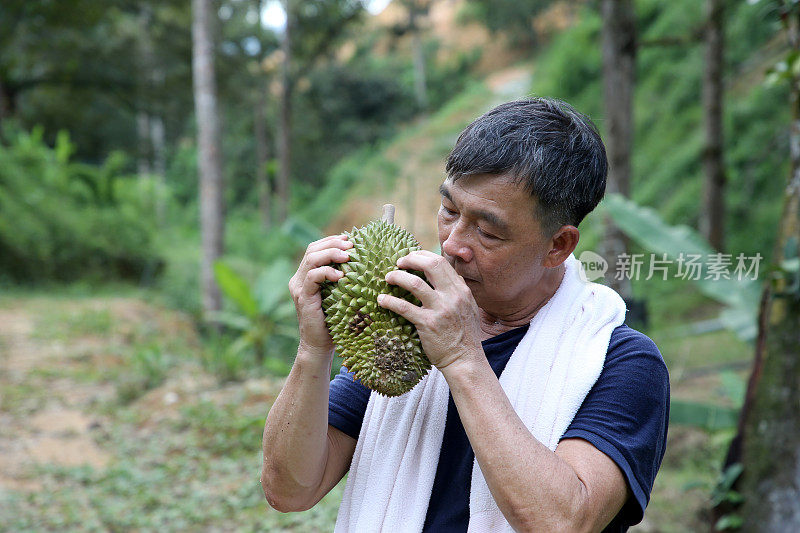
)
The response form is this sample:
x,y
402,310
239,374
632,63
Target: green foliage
x,y
262,314
646,228
63,221
77,65
702,415
179,284
57,325
723,493
146,369
223,431
570,66
218,359
514,17
347,174
668,115
348,106
448,79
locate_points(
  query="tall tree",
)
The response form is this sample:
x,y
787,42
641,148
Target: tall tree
x,y
285,120
768,442
260,133
417,10
619,69
712,221
312,29
262,158
512,17
209,150
145,64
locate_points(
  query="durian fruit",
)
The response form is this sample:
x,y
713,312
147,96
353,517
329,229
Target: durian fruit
x,y
379,346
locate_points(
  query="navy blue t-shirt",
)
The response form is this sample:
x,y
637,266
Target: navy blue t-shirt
x,y
624,415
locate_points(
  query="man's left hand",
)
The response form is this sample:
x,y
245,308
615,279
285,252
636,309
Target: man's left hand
x,y
448,322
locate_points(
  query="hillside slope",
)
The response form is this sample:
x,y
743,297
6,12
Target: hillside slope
x,y
668,117
407,172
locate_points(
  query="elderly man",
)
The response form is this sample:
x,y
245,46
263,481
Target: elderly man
x,y
543,412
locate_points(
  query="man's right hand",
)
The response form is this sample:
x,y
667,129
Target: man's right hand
x,y
305,285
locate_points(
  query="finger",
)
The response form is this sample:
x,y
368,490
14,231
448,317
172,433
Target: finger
x,y
317,275
404,308
436,268
334,241
413,284
325,257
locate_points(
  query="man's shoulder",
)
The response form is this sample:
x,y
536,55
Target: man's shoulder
x,y
630,346
626,339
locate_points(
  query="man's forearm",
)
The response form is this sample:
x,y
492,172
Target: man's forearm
x,y
295,433
533,487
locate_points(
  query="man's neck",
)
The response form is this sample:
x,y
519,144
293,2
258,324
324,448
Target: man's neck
x,y
521,313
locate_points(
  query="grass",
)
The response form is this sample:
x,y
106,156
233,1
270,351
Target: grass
x,y
53,325
184,448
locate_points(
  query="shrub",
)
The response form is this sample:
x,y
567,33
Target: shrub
x,y
61,220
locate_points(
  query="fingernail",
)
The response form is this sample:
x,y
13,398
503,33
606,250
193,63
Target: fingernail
x,y
380,299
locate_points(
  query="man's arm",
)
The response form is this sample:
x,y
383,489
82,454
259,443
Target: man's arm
x,y
577,488
303,456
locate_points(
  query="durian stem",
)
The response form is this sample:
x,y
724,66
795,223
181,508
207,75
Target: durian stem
x,y
388,213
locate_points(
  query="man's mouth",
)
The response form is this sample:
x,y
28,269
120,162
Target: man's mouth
x,y
455,264
466,278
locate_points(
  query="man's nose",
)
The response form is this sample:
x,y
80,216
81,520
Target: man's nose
x,y
457,244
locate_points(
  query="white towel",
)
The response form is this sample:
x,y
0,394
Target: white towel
x,y
546,380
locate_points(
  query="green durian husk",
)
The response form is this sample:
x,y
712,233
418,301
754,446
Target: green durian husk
x,y
379,346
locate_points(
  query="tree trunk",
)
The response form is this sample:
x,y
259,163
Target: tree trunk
x,y
768,443
619,66
5,103
209,152
420,79
420,82
157,135
157,132
143,135
262,158
143,129
712,220
285,122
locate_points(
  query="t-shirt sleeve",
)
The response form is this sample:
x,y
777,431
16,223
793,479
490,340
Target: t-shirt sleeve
x,y
625,414
347,403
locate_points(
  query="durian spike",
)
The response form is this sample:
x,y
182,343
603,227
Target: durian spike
x,y
388,213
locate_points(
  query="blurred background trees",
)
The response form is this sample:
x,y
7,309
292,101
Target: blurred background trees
x,y
112,169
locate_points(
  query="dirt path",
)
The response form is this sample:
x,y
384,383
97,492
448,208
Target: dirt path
x,y
44,413
109,421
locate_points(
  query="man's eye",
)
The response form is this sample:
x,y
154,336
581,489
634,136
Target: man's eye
x,y
448,211
488,235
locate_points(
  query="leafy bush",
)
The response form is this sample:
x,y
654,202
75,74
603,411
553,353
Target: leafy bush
x,y
61,220
667,155
262,314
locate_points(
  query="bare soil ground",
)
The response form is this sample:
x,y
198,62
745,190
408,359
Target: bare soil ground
x,y
49,428
108,422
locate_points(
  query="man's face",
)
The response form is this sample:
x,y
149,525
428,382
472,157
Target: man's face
x,y
489,234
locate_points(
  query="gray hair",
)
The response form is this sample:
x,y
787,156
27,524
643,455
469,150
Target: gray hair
x,y
545,144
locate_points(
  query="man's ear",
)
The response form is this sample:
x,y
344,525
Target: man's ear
x,y
563,243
